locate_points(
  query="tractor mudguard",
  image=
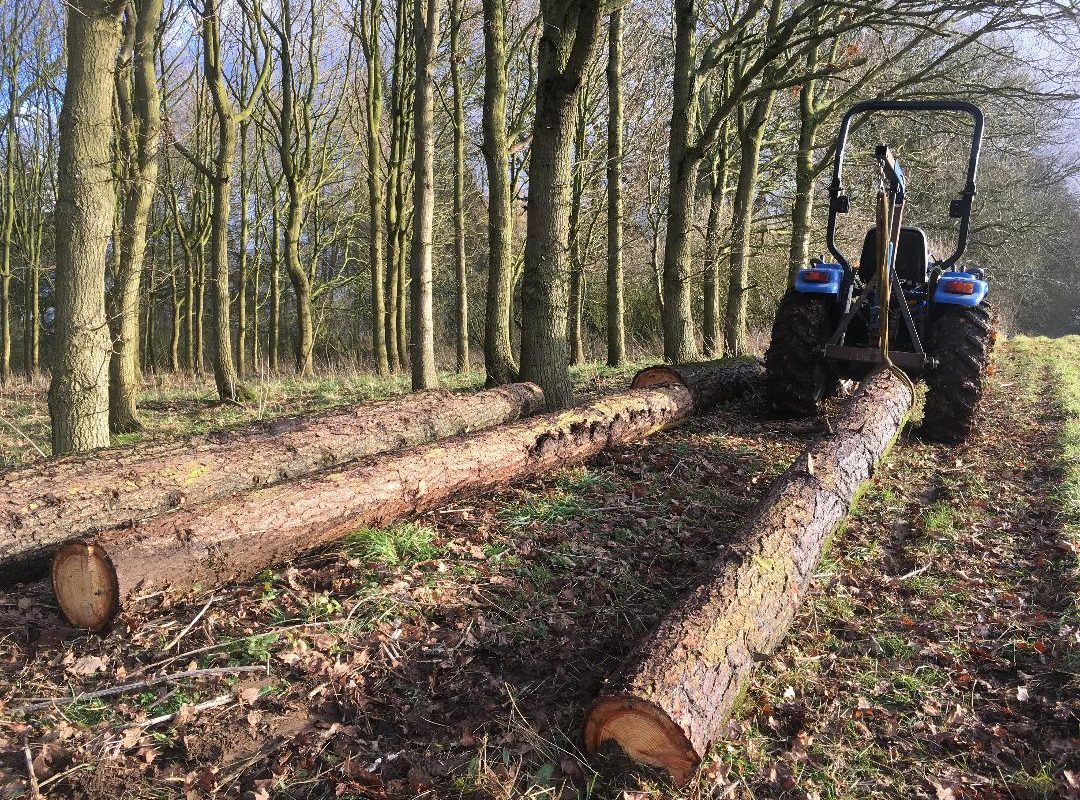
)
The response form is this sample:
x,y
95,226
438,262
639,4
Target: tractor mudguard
x,y
820,279
960,289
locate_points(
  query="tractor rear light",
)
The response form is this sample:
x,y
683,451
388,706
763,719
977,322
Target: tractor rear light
x,y
959,287
816,276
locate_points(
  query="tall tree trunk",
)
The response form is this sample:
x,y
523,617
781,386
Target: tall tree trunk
x,y
577,265
566,46
679,343
498,352
369,24
461,283
294,219
5,244
710,318
273,347
803,208
614,322
422,352
751,133
140,116
242,257
177,309
86,200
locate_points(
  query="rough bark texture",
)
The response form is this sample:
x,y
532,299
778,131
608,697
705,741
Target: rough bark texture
x,y
370,19
498,353
752,135
235,538
668,702
422,346
47,503
616,335
461,284
85,204
708,384
683,159
140,117
566,46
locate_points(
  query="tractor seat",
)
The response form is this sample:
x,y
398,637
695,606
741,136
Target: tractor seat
x,y
911,256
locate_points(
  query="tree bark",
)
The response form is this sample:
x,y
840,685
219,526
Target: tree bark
x,y
683,158
576,300
422,353
566,46
369,25
131,483
718,185
615,317
140,117
291,171
237,537
461,284
669,700
751,133
86,201
498,353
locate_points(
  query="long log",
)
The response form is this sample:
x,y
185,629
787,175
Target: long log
x,y
47,503
706,384
669,700
232,539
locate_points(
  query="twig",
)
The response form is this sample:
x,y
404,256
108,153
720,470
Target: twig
x,y
35,790
220,700
190,625
915,572
26,438
129,687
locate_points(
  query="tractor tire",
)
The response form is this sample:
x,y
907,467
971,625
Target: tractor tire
x,y
961,340
796,376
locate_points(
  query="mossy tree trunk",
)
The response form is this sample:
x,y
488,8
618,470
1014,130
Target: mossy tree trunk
x,y
499,360
567,44
615,321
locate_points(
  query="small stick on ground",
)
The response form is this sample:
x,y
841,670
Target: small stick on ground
x,y
35,790
112,691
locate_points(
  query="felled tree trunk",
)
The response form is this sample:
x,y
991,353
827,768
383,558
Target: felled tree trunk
x,y
708,385
233,539
47,503
669,700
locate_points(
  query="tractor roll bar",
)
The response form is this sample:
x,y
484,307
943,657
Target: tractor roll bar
x,y
960,208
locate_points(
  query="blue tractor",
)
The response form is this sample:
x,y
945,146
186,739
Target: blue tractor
x,y
897,306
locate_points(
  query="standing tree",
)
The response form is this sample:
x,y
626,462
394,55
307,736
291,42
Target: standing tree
x,y
85,203
616,335
219,175
567,44
422,355
139,109
498,353
461,283
368,26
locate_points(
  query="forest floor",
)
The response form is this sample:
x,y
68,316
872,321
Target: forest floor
x,y
937,654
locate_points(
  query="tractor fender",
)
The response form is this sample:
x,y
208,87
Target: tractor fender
x,y
960,289
820,279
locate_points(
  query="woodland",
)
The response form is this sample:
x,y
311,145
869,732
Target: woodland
x,y
389,400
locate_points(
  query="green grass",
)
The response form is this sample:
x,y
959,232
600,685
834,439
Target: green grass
x,y
398,545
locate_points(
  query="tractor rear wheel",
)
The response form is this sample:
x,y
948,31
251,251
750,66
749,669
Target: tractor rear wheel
x,y
961,340
796,376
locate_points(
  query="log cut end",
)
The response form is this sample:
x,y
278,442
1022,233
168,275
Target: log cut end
x,y
85,585
659,375
643,731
